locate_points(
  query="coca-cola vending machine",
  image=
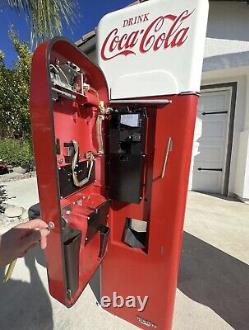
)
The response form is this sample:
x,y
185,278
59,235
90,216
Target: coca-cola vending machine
x,y
113,148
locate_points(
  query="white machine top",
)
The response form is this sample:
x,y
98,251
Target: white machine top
x,y
153,48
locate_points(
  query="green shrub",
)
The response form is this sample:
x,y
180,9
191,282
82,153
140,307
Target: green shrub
x,y
17,152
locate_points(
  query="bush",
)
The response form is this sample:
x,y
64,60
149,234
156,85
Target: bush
x,y
14,92
17,152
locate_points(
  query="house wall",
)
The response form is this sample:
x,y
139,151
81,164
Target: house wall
x,y
228,27
227,60
239,159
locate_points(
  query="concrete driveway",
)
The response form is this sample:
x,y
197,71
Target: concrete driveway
x,y
213,289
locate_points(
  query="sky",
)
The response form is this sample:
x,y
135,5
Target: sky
x,y
90,14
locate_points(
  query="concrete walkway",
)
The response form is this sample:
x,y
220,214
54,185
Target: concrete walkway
x,y
213,285
213,290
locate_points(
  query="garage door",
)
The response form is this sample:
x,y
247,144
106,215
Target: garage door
x,y
211,141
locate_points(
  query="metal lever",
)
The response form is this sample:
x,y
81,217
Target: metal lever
x,y
99,122
168,149
90,159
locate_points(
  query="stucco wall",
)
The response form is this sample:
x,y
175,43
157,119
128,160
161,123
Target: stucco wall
x,y
228,28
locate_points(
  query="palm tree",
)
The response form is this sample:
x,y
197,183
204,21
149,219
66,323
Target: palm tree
x,y
45,16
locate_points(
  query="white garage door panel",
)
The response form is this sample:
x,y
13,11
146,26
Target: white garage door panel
x,y
210,141
212,129
210,155
207,182
213,102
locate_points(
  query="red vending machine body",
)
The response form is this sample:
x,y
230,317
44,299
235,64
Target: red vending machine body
x,y
113,156
151,54
146,266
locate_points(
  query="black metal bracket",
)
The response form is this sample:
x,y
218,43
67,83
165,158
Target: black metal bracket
x,y
210,169
214,113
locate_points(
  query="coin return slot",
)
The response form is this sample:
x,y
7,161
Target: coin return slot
x,y
135,233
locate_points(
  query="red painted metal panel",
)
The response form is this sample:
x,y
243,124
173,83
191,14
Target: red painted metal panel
x,y
65,120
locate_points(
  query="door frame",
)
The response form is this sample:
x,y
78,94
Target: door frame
x,y
234,87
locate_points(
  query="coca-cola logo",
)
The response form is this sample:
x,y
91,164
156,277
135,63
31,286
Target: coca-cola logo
x,y
164,32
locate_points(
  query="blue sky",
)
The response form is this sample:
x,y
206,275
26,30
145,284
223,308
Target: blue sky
x,y
90,13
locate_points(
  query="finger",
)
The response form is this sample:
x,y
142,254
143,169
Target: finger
x,y
44,234
34,224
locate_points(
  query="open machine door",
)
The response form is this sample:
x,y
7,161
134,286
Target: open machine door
x,y
68,106
113,162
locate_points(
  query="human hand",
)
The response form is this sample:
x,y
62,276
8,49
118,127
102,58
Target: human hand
x,y
18,240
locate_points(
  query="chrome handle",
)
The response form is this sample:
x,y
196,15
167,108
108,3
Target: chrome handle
x,y
99,123
168,149
90,159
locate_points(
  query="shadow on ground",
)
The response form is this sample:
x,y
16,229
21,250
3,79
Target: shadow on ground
x,y
215,279
219,196
95,284
25,306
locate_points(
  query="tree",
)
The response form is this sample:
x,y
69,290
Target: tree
x,y
15,131
14,92
45,16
